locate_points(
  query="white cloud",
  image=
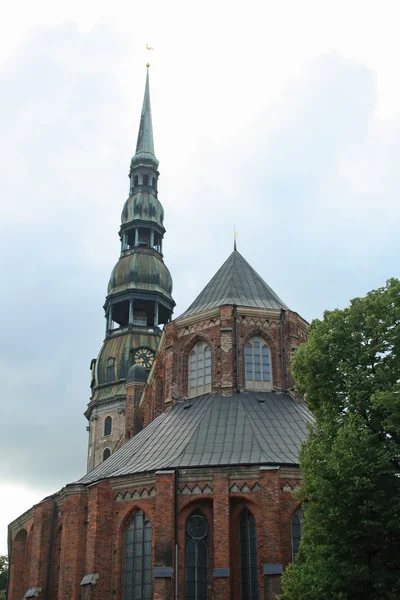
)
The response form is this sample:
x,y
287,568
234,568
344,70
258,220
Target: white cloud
x,y
255,125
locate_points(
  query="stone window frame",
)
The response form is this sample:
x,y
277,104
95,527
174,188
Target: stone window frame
x,y
251,384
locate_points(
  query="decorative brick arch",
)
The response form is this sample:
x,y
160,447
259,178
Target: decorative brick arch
x,y
188,347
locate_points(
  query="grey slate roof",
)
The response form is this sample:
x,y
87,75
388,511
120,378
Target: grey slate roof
x,y
236,282
213,430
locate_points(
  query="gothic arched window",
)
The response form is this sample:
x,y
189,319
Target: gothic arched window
x,y
200,369
138,560
107,426
248,556
106,453
257,365
297,521
196,558
110,369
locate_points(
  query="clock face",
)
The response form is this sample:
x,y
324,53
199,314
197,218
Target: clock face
x,y
144,357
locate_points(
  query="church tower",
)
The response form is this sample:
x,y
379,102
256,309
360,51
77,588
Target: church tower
x,y
138,300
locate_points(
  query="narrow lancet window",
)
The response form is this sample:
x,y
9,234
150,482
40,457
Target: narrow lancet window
x,y
107,426
197,558
200,370
257,365
297,520
106,453
138,558
248,556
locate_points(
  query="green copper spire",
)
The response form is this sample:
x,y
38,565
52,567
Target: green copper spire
x,y
145,142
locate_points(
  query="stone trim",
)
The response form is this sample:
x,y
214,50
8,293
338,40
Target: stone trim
x,y
186,491
244,489
135,495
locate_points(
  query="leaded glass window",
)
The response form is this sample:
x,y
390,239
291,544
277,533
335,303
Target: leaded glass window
x,y
200,369
257,365
296,532
107,426
110,369
138,560
248,556
197,558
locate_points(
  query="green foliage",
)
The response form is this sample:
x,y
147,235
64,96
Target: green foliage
x,y
3,571
350,372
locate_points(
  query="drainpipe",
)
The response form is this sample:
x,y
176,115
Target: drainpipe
x,y
283,313
46,589
235,319
176,531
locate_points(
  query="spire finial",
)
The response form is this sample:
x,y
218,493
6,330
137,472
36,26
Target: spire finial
x,y
235,234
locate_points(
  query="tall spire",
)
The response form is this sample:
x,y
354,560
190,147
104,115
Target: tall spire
x,y
145,142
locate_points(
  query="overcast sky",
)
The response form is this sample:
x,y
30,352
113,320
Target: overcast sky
x,y
281,118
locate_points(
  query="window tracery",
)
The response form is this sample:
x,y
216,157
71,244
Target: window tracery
x,y
138,558
248,556
197,557
199,369
257,365
297,521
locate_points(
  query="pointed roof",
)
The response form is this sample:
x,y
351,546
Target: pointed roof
x,y
145,142
238,283
250,428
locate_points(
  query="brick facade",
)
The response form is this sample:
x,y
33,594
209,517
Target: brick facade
x,y
89,524
283,331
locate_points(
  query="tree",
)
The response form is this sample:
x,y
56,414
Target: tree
x,y
349,371
3,571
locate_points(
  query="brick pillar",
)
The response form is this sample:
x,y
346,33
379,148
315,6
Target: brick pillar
x,y
133,419
39,545
221,537
227,341
272,543
18,583
73,540
99,539
170,362
164,539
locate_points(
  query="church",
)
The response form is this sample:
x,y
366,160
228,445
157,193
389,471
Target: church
x,y
194,435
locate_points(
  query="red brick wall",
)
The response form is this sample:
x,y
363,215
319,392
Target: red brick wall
x,y
90,524
171,370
